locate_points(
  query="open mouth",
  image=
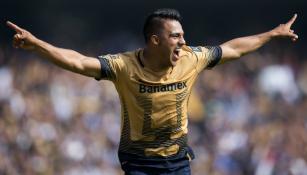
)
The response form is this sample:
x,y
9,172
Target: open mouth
x,y
176,52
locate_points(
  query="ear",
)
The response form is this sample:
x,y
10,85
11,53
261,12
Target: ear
x,y
155,39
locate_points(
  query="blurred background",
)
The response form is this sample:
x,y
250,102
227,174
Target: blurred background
x,y
247,117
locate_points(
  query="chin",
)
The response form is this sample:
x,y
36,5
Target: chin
x,y
173,63
174,60
170,64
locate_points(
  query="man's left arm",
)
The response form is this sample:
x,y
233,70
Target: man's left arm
x,y
238,47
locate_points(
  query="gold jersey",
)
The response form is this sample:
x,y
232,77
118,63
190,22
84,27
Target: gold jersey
x,y
154,104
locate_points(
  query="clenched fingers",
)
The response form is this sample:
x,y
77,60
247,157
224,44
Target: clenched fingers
x,y
18,41
294,37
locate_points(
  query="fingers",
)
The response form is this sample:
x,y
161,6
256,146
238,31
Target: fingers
x,y
14,27
18,41
286,30
294,37
291,21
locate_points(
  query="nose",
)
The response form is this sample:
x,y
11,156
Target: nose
x,y
182,41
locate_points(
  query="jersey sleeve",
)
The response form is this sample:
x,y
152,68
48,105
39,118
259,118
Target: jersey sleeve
x,y
111,67
207,56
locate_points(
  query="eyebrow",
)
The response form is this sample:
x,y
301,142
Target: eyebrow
x,y
176,34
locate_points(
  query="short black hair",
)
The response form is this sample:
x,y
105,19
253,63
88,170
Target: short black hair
x,y
153,22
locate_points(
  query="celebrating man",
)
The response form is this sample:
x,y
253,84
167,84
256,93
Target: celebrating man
x,y
154,84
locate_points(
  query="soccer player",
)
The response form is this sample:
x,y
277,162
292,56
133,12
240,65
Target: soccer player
x,y
154,84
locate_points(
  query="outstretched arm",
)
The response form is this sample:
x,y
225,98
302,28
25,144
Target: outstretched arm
x,y
67,59
238,47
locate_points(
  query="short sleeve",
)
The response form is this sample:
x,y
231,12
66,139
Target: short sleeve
x,y
207,56
111,67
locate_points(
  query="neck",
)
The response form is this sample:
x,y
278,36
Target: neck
x,y
152,61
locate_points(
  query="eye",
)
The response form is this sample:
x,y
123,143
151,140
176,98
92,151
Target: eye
x,y
175,35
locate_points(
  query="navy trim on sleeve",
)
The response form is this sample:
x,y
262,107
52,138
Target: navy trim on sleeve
x,y
215,55
106,71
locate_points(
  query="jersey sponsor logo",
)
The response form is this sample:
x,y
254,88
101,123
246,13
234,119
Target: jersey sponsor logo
x,y
162,88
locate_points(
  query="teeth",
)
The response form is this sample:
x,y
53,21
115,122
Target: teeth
x,y
176,51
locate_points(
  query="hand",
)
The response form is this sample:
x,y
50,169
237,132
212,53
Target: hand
x,y
22,39
285,31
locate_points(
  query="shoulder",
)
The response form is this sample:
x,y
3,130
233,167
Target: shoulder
x,y
124,57
129,55
197,49
129,58
193,51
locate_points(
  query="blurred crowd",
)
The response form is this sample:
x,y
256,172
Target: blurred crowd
x,y
247,117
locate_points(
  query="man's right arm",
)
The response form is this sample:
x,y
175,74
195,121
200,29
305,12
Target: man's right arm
x,y
64,58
